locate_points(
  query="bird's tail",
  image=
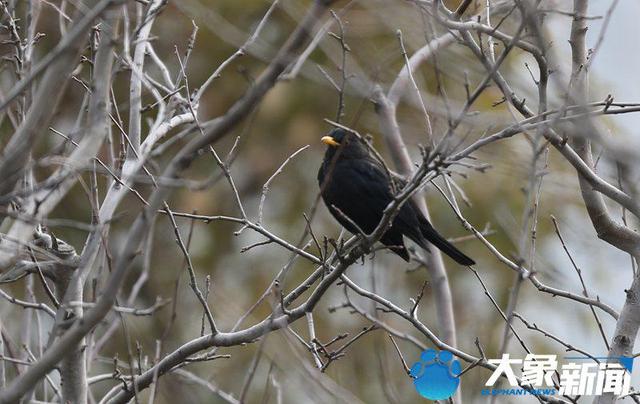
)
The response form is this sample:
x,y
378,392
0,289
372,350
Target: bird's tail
x,y
441,243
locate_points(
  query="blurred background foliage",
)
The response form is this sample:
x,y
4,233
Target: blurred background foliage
x,y
290,117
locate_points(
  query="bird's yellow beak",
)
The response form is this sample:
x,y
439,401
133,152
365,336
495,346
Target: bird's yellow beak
x,y
328,140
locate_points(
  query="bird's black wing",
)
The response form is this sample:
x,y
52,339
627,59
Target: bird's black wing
x,y
360,190
426,229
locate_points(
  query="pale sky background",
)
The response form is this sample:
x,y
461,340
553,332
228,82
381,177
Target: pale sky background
x,y
615,70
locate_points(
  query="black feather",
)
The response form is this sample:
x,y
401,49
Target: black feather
x,y
355,185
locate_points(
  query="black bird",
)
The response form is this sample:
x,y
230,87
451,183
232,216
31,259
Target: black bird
x,y
355,185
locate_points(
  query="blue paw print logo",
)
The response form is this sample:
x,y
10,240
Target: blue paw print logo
x,y
436,374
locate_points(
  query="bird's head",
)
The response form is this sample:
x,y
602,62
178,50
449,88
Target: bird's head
x,y
351,145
